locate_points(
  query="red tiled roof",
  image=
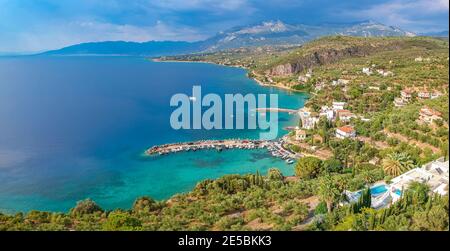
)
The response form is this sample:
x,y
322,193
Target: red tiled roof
x,y
408,91
346,129
344,112
301,132
429,112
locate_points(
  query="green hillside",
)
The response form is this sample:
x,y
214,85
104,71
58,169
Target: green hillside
x,y
351,47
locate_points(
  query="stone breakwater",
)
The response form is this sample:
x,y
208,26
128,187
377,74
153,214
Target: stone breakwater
x,y
276,148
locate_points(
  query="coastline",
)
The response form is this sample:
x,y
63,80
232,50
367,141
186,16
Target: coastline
x,y
261,83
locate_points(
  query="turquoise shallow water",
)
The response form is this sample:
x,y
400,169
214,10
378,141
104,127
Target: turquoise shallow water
x,y
76,127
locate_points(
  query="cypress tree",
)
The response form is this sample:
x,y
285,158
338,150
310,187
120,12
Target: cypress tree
x,y
252,179
355,208
350,209
383,216
372,222
369,198
258,179
429,204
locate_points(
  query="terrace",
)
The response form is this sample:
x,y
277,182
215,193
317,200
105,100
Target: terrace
x,y
435,174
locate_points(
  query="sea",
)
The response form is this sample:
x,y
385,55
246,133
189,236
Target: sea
x,y
77,127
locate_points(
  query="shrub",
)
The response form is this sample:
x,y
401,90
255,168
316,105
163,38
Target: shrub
x,y
275,174
87,206
332,165
308,167
321,208
145,204
118,220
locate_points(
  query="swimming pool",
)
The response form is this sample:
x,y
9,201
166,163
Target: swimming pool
x,y
376,190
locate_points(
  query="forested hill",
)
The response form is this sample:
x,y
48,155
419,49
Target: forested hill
x,y
329,50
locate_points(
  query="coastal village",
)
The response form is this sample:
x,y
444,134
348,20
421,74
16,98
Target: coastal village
x,y
369,151
340,116
369,103
338,120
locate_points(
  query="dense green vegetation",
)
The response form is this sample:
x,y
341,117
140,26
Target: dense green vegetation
x,y
253,202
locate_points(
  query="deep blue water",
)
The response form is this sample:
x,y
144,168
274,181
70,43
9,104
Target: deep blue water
x,y
76,127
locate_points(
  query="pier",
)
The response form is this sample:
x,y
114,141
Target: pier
x,y
269,109
274,147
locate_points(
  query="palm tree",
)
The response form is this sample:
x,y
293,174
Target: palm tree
x,y
329,192
397,163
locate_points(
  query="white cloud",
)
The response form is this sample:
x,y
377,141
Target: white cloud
x,y
228,5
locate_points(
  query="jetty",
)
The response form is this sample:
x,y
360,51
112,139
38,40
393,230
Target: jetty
x,y
274,147
271,109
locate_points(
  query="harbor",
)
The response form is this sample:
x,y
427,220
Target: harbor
x,y
274,147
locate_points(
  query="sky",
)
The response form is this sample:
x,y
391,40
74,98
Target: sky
x,y
39,25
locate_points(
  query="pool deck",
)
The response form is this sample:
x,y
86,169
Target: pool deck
x,y
435,174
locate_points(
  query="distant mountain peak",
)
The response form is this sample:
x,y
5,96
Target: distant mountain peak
x,y
259,28
368,21
265,33
373,28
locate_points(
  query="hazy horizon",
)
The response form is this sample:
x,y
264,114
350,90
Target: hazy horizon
x,y
36,26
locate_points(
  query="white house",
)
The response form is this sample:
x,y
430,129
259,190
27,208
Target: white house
x,y
309,73
338,105
424,95
345,132
406,94
345,115
308,118
319,86
435,94
399,102
300,135
327,112
303,79
367,71
429,115
385,73
343,81
435,174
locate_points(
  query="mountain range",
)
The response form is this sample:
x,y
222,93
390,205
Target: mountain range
x,y
435,34
269,33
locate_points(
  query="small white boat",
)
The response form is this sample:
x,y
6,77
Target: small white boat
x,y
290,161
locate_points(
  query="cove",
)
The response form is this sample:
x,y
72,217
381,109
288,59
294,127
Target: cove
x,y
76,127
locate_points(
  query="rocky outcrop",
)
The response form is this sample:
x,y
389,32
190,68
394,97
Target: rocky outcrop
x,y
324,57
